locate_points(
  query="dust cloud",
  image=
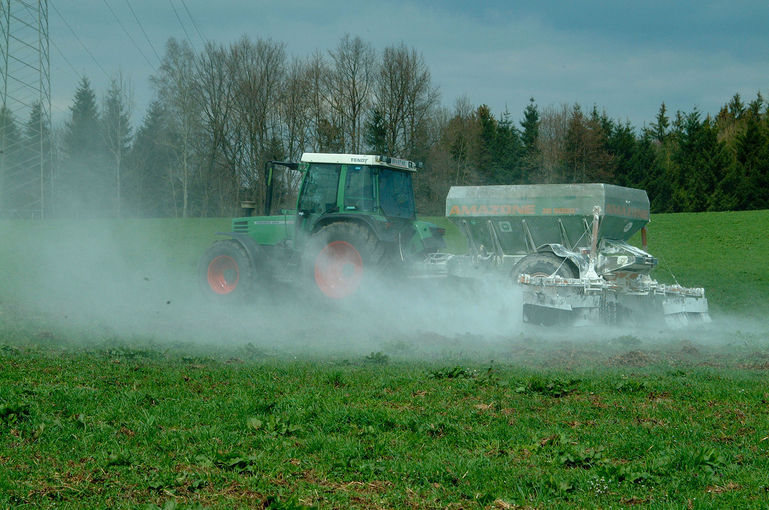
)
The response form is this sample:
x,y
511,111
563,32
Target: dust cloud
x,y
100,281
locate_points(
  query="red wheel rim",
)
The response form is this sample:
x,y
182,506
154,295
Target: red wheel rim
x,y
338,269
223,274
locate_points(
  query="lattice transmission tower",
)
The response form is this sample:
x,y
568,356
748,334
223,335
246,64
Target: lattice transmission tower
x,y
26,161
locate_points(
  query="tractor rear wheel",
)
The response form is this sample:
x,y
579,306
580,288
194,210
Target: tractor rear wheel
x,y
544,264
226,272
341,256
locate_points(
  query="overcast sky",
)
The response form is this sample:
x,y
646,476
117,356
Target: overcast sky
x,y
625,57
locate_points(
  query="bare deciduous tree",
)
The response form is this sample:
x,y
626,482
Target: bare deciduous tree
x,y
116,112
350,87
404,97
296,108
258,71
175,87
214,90
323,126
553,126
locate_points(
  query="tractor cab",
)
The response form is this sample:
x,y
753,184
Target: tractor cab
x,y
349,183
375,190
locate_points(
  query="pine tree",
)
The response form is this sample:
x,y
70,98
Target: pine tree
x,y
643,168
585,155
82,130
530,140
487,134
38,149
375,134
530,125
147,182
754,108
621,144
659,129
10,158
84,188
714,162
508,150
736,106
753,188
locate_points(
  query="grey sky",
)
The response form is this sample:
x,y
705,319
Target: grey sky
x,y
625,57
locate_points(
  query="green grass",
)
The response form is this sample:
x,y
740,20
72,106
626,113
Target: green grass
x,y
121,427
723,252
89,419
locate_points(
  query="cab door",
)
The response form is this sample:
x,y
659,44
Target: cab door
x,y
319,196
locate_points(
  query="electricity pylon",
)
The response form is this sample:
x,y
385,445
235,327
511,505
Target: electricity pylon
x,y
26,170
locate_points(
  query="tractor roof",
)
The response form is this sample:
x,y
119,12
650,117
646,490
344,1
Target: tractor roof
x,y
360,159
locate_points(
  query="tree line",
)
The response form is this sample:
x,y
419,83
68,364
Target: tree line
x,y
219,114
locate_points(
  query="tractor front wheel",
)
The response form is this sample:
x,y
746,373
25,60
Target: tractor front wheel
x,y
341,256
225,272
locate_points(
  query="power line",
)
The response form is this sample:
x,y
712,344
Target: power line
x,y
64,57
52,4
194,24
180,22
128,34
143,31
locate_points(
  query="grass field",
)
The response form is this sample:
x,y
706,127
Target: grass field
x,y
93,417
605,425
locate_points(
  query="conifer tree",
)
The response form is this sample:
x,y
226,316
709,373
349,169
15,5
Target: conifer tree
x,y
530,140
530,125
752,190
621,144
149,166
38,148
84,188
375,134
10,156
508,150
487,133
659,128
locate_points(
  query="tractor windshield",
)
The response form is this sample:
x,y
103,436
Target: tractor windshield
x,y
396,194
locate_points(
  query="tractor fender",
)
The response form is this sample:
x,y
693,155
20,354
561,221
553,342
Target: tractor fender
x,y
247,242
377,227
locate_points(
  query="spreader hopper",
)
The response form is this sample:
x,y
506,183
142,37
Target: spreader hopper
x,y
567,245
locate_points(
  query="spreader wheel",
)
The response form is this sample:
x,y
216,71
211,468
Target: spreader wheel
x,y
544,264
226,272
341,256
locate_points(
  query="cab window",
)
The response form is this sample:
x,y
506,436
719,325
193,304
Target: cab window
x,y
359,189
396,194
320,188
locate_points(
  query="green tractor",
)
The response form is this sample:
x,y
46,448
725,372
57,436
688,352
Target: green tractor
x,y
353,217
565,246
